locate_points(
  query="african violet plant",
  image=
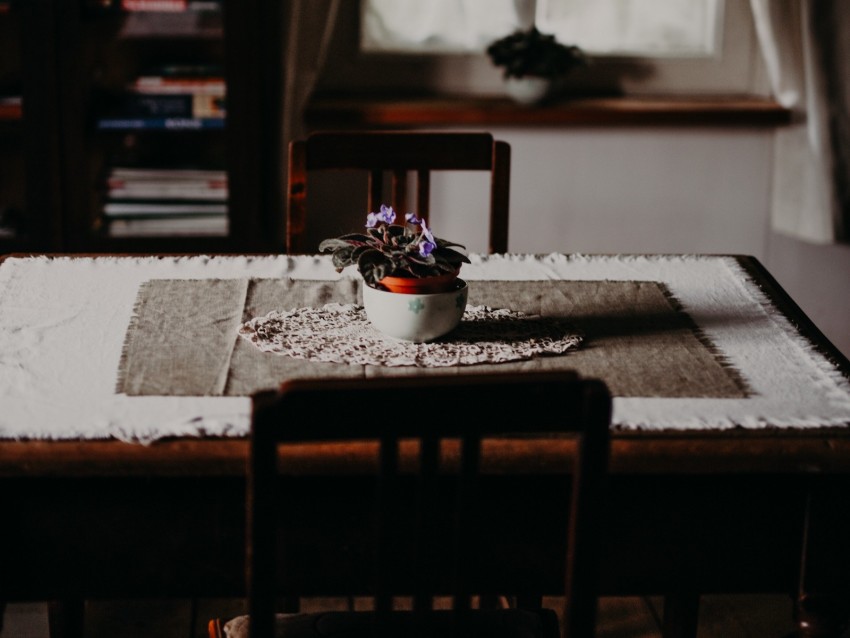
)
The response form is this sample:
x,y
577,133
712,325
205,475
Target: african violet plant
x,y
533,53
389,249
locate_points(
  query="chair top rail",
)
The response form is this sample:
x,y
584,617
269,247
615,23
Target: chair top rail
x,y
399,150
470,404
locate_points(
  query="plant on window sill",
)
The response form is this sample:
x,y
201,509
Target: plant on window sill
x,y
532,61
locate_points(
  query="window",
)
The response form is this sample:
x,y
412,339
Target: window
x,y
674,28
681,28
693,47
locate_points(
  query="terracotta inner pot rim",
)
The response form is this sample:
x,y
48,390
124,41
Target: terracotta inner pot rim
x,y
459,284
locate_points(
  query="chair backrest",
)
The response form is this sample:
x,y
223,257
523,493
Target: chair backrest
x,y
399,153
435,412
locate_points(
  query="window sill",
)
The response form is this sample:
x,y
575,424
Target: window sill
x,y
360,112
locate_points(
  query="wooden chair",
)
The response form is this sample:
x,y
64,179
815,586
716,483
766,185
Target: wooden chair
x,y
398,153
391,419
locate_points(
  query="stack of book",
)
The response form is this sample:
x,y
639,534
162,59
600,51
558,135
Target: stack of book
x,y
162,201
175,98
10,107
7,221
153,6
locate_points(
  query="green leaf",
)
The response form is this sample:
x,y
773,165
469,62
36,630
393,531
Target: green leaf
x,y
395,230
450,255
421,270
356,237
359,250
445,243
342,257
330,245
373,265
416,258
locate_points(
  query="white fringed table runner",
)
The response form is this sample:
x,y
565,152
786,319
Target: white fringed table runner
x,y
66,343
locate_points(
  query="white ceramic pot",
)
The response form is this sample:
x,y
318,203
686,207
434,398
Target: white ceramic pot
x,y
415,317
528,90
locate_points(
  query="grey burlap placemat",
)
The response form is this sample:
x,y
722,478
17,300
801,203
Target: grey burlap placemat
x,y
183,339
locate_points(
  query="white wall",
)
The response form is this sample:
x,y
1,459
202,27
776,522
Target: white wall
x,y
627,190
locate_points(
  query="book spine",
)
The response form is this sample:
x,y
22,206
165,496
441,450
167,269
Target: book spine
x,y
11,112
198,71
161,123
154,195
150,184
208,105
214,176
162,209
188,87
165,78
11,107
154,105
198,226
174,105
154,5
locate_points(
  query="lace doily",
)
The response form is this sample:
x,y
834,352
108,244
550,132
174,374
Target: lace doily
x,y
338,333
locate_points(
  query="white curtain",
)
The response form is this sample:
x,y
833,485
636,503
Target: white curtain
x,y
806,56
631,27
309,33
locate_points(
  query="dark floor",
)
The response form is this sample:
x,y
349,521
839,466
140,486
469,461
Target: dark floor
x,y
720,617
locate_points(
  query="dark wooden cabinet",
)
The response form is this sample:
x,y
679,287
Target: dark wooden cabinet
x,y
76,62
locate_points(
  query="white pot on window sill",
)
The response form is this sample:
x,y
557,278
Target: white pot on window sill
x,y
529,89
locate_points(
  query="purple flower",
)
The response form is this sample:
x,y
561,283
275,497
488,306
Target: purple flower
x,y
405,248
426,232
425,247
387,216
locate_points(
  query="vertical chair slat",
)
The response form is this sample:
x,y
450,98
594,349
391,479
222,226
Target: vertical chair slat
x,y
376,190
262,528
296,219
426,513
586,512
423,194
398,198
464,514
386,505
500,185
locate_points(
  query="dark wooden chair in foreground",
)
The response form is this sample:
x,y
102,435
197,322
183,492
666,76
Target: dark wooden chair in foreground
x,y
398,153
433,505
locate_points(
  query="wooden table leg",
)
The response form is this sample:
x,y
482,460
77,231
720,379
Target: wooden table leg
x,y
681,615
66,618
823,601
821,616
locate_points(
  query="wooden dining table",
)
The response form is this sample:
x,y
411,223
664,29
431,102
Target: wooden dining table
x,y
125,386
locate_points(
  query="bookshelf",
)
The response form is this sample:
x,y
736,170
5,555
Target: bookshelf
x,y
150,150
30,215
12,169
